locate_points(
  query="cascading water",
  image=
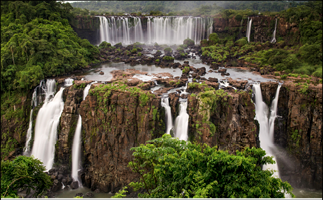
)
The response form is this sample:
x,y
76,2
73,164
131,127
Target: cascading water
x,y
181,122
46,125
163,30
274,33
30,126
248,29
267,127
76,149
68,82
169,119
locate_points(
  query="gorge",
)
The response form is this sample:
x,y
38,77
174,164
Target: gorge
x,y
193,78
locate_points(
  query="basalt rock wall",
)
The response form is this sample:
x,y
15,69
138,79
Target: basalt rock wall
x,y
87,27
298,131
262,28
111,127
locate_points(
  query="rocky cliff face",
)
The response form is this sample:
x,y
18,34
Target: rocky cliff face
x,y
232,124
111,127
262,28
114,120
87,27
298,131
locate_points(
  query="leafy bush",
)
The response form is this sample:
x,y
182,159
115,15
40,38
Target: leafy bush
x,y
23,173
168,50
104,45
180,49
238,17
175,168
189,42
241,42
318,72
120,193
168,58
213,38
134,50
311,54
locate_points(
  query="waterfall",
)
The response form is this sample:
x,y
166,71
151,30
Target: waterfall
x,y
68,82
266,132
76,149
181,122
46,125
26,149
274,33
249,22
273,114
169,120
163,30
30,126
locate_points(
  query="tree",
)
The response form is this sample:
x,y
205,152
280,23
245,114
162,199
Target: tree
x,y
169,167
26,173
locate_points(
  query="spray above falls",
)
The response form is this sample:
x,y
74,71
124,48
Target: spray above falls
x,y
161,30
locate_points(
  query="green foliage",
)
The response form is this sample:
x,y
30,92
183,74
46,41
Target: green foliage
x,y
241,42
157,60
23,173
37,42
168,50
120,193
213,38
189,42
104,45
180,49
186,70
168,58
169,167
311,54
134,50
139,54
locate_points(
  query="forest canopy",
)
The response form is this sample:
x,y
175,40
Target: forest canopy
x,y
37,41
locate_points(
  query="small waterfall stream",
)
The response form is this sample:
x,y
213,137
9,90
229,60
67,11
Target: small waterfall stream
x,y
266,132
46,125
169,119
273,40
76,148
181,122
30,126
249,22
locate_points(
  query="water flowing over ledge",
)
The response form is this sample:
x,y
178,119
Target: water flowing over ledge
x,y
161,30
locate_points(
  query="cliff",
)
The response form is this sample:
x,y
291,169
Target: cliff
x,y
298,131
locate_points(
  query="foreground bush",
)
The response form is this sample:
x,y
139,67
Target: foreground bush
x,y
170,167
26,173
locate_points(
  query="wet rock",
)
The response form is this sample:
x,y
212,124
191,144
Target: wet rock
x,y
184,96
213,79
101,73
88,195
57,185
222,70
97,191
60,177
74,185
133,82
